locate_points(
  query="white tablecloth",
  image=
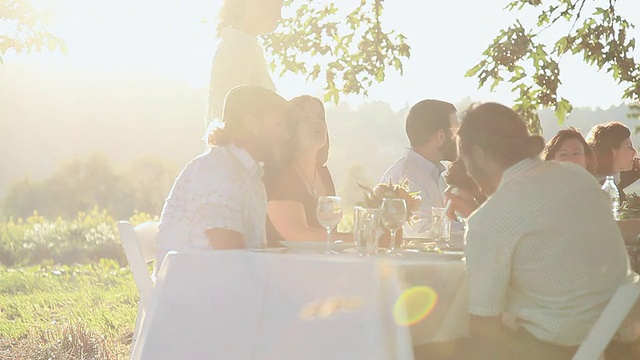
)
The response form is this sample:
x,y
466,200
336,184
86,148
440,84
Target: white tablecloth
x,y
259,305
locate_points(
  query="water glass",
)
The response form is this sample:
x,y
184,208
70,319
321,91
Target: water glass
x,y
441,225
329,213
394,214
365,229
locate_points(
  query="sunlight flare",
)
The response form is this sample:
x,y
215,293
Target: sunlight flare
x,y
414,305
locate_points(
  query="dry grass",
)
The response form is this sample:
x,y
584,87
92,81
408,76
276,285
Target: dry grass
x,y
67,312
65,342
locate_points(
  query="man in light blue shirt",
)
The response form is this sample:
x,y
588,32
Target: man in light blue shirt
x,y
431,127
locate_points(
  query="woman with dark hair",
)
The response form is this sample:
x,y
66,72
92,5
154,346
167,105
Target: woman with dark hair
x,y
239,58
614,151
569,145
296,182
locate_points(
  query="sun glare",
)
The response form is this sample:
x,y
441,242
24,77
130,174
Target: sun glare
x,y
414,305
167,39
177,41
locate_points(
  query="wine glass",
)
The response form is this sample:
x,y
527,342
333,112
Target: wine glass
x,y
394,214
329,213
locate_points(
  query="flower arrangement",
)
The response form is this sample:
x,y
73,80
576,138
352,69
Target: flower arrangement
x,y
630,209
374,196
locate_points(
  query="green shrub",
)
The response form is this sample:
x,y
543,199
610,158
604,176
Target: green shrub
x,y
87,238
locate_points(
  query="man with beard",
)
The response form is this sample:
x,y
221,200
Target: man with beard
x,y
543,247
430,127
219,201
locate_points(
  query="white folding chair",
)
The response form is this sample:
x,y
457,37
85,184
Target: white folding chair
x,y
608,323
139,247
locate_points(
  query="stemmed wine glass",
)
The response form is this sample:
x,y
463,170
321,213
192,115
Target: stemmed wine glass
x,y
329,213
394,214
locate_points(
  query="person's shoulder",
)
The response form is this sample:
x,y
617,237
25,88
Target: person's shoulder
x,y
397,170
216,165
539,173
323,171
574,173
275,176
217,155
230,54
234,41
283,183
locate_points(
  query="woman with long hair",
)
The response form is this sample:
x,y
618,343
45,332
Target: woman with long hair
x,y
569,145
614,151
300,177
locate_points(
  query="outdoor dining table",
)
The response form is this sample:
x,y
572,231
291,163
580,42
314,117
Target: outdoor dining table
x,y
243,304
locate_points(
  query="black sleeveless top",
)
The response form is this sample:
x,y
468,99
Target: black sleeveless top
x,y
288,185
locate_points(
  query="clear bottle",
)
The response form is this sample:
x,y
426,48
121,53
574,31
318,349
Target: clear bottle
x,y
611,189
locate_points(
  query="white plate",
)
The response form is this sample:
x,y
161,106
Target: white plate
x,y
424,235
314,245
270,250
444,256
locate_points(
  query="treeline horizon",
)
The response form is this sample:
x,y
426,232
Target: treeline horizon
x,y
52,119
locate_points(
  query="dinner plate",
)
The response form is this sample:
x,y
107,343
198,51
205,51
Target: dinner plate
x,y
270,250
436,256
315,246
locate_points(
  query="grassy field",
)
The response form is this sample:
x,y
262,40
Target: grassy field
x,y
67,312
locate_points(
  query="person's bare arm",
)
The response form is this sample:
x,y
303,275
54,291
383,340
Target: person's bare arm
x,y
290,219
460,201
224,239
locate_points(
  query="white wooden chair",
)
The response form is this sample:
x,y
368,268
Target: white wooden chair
x,y
608,323
139,247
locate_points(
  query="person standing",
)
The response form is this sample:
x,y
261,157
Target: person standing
x,y
239,58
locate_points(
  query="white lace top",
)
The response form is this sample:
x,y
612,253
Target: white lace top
x,y
222,188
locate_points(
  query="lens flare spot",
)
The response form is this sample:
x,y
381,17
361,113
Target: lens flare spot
x,y
414,305
328,307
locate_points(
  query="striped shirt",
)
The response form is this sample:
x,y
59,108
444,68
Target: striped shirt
x,y
545,248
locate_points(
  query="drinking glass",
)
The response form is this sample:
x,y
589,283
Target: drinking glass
x,y
459,217
394,214
441,226
329,213
365,229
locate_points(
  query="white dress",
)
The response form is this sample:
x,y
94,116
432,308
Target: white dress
x,y
238,60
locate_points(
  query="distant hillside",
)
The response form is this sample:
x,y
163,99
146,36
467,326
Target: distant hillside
x,y
48,116
52,116
585,118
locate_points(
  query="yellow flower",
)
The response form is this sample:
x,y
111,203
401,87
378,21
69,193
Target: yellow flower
x,y
374,196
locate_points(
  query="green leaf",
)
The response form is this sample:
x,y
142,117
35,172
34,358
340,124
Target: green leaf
x,y
355,59
474,70
563,108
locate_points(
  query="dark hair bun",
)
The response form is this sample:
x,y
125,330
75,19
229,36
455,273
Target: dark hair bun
x,y
535,145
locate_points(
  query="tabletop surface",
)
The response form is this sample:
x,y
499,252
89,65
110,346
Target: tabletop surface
x,y
270,304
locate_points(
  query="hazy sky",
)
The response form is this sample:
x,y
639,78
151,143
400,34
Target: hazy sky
x,y
170,38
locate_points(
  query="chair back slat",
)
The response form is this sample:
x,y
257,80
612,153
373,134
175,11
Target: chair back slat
x,y
136,259
146,238
609,322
